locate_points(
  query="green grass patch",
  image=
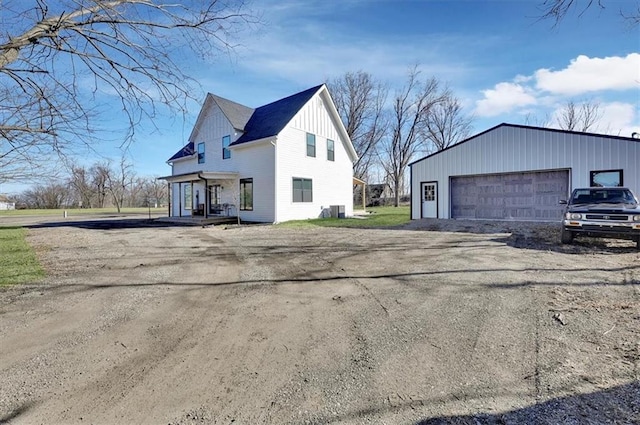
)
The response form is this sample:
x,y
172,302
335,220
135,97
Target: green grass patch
x,y
82,211
377,217
18,261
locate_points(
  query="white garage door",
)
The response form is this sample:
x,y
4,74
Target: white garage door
x,y
513,196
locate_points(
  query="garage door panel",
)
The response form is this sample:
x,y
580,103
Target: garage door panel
x,y
520,196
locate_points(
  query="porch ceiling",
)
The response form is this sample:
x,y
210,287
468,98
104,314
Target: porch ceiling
x,y
201,175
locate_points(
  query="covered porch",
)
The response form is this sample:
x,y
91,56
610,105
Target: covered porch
x,y
203,194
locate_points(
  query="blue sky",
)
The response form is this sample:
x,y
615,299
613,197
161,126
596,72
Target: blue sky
x,y
497,56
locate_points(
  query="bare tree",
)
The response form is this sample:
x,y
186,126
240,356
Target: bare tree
x,y
360,101
446,123
411,108
80,183
581,117
556,10
49,196
118,181
99,180
60,60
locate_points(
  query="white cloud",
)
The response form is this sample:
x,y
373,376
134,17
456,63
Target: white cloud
x,y
619,118
585,75
504,97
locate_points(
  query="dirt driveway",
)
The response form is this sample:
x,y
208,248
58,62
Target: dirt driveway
x,y
435,323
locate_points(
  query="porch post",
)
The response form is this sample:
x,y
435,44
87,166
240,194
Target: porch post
x,y
364,195
179,199
206,198
169,197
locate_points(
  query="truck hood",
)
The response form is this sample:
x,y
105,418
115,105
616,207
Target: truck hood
x,y
604,208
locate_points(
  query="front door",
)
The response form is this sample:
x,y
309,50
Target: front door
x,y
429,191
214,199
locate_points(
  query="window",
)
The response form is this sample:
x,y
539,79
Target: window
x,y
429,192
330,150
302,190
246,194
201,153
311,145
226,152
605,178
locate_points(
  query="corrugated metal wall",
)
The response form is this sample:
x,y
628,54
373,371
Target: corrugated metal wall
x,y
509,148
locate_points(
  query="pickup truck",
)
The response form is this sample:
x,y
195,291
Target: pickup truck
x,y
610,212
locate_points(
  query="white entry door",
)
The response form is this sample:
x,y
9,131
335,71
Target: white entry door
x,y
429,199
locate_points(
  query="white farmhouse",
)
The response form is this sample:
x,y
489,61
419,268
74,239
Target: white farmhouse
x,y
290,159
517,172
6,203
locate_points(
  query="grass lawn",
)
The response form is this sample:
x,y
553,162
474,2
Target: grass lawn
x,y
377,217
18,262
82,211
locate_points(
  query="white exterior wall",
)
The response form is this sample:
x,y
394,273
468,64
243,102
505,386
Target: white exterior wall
x,y
257,161
515,149
7,206
332,180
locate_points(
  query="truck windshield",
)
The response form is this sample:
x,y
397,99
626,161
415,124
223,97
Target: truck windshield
x,y
602,196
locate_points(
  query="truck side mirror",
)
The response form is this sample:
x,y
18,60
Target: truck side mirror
x,y
563,202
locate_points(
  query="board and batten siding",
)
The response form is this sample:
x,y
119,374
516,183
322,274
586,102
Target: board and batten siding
x,y
510,149
332,180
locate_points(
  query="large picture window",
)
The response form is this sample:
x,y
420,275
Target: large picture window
x,y
302,190
201,153
606,178
246,194
330,150
226,152
311,145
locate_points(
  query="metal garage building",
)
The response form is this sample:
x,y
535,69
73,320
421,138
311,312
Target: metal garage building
x,y
516,172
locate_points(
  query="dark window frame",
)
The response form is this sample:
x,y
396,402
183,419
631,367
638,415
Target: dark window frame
x,y
331,153
242,196
300,193
201,156
226,152
594,173
311,145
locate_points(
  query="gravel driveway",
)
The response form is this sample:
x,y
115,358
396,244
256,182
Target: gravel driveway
x,y
436,322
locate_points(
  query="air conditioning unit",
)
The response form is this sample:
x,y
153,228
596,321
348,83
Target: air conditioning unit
x,y
337,211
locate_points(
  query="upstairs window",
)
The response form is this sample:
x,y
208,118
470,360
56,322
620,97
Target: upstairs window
x,y
311,145
226,152
302,190
330,150
201,153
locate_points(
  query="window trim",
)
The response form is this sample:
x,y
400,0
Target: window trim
x,y
593,173
302,190
311,138
226,152
331,153
201,154
242,201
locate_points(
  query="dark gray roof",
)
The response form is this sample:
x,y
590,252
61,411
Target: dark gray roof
x,y
185,151
237,114
256,124
269,120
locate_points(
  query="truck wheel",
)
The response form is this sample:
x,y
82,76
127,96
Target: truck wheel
x,y
638,243
566,236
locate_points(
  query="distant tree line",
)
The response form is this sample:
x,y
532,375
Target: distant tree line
x,y
100,185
